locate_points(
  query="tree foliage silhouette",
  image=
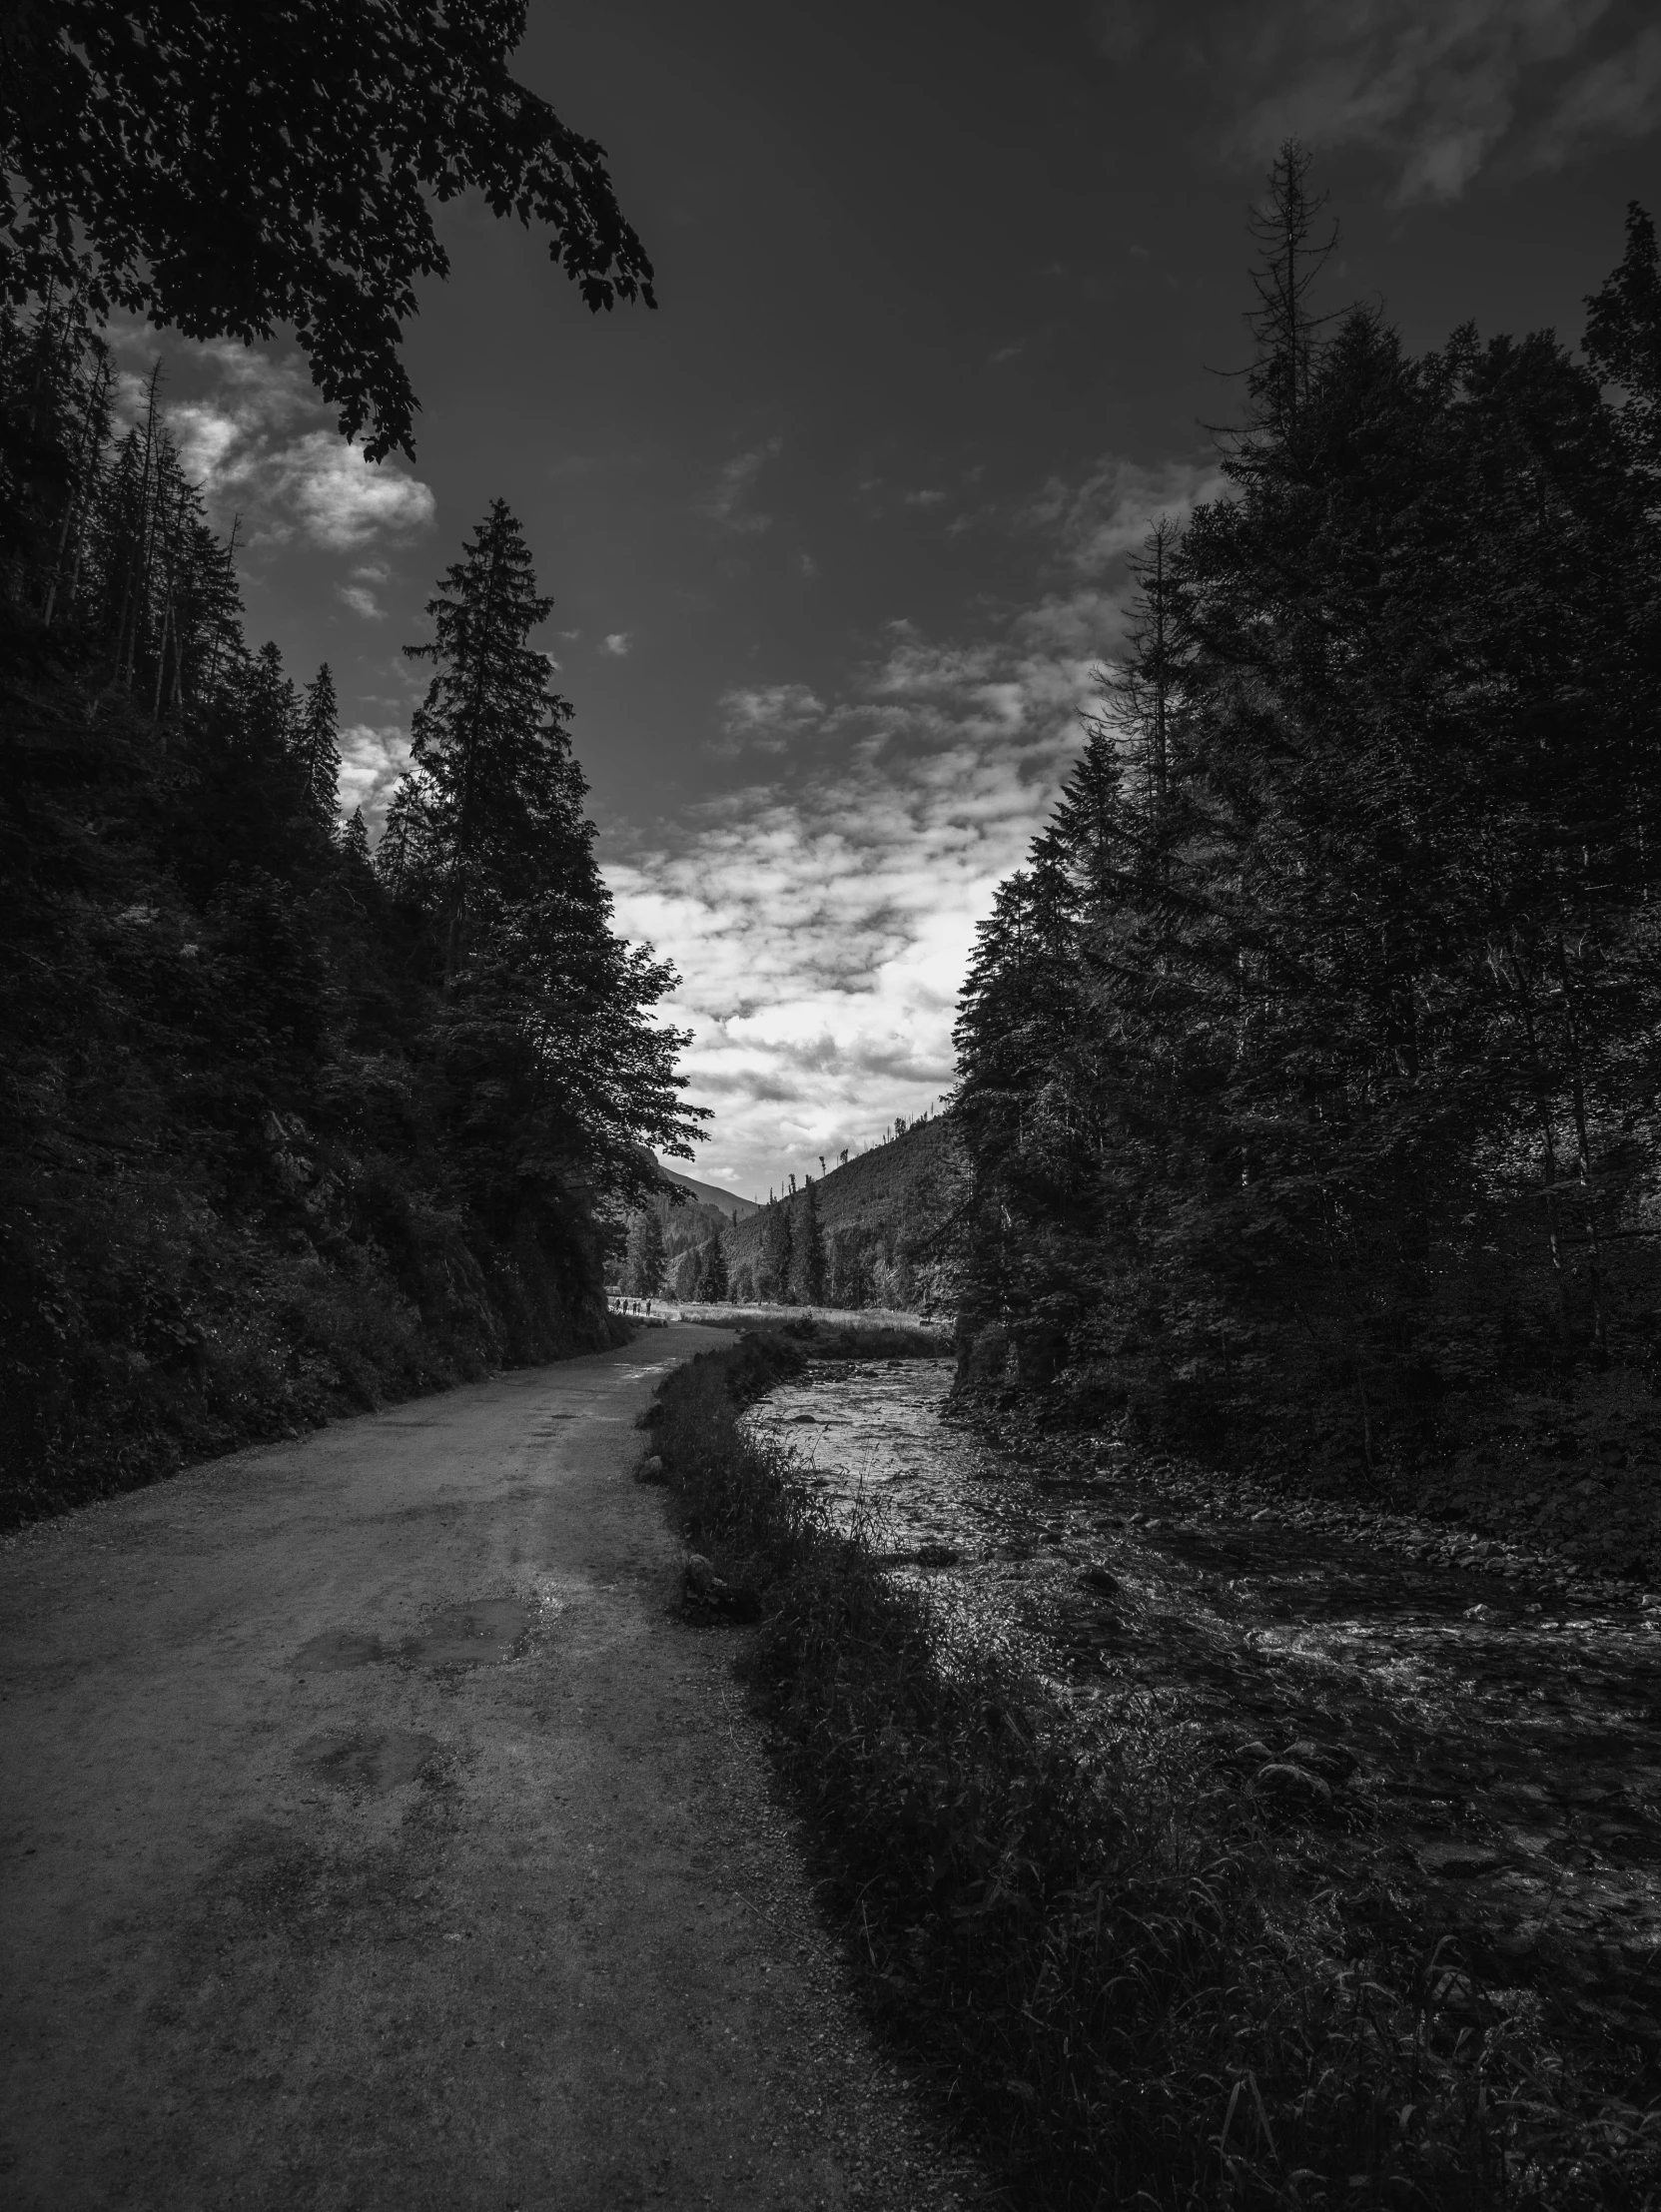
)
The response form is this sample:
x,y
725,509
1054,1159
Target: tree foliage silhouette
x,y
1308,1062
284,1131
223,169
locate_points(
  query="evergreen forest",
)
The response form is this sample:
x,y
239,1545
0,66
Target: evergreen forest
x,y
1310,1066
285,1129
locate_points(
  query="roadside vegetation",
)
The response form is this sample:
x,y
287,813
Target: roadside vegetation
x,y
1106,1955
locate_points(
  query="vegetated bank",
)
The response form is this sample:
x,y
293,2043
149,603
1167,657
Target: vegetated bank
x,y
1110,1962
1308,1070
285,1129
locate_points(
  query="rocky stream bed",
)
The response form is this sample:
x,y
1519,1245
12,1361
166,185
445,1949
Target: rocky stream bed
x,y
1467,1732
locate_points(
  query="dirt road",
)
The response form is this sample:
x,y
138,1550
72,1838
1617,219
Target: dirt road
x,y
376,1835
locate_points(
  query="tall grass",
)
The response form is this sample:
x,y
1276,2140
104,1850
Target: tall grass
x,y
1122,1980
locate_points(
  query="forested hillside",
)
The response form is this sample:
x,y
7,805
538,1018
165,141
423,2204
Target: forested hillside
x,y
1309,1066
875,1232
285,1129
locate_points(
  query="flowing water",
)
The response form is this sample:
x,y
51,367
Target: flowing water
x,y
1467,1726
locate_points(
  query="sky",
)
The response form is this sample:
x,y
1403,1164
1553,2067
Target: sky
x,y
949,295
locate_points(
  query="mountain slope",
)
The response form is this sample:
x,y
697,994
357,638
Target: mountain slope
x,y
727,1203
882,1217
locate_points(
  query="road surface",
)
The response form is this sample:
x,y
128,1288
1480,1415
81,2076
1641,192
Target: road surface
x,y
376,1835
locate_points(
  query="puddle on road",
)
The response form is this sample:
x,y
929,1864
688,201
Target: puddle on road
x,y
478,1635
1497,1737
336,1651
373,1764
481,1632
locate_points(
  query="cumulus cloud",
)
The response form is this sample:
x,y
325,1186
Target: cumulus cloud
x,y
617,645
372,761
730,503
1438,86
257,444
822,916
822,922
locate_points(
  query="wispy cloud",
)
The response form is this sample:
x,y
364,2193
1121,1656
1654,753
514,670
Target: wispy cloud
x,y
768,718
1618,97
616,644
730,503
359,591
822,921
1106,515
1437,86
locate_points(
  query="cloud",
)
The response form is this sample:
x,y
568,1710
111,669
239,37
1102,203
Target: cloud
x,y
1120,28
358,593
1436,86
1108,514
822,916
257,444
617,645
1618,97
1435,82
822,922
768,717
372,761
727,503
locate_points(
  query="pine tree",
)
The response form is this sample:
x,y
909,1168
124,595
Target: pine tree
x,y
1088,821
546,1022
493,805
1293,260
645,1253
317,748
806,1275
773,1268
355,845
850,1284
715,1272
270,704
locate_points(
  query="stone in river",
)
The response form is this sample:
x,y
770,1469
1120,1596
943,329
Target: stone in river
x,y
937,1555
1459,1862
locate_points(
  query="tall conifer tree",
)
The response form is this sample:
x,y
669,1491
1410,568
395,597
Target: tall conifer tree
x,y
318,746
495,805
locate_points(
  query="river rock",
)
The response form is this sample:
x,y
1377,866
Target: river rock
x,y
1293,1783
705,1589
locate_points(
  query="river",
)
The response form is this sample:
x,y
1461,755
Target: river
x,y
1470,1726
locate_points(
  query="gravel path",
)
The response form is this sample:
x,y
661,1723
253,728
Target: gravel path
x,y
377,1834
